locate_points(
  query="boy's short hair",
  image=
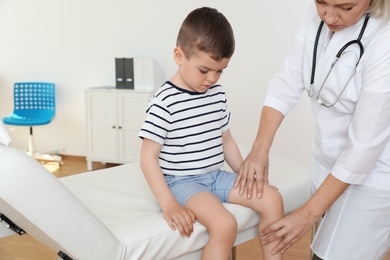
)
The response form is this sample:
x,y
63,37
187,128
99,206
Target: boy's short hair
x,y
205,29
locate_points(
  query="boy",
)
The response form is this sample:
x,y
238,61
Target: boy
x,y
186,139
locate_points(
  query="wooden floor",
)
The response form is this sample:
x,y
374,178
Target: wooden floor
x,y
24,247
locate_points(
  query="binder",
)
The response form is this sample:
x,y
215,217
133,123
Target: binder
x,y
120,72
129,73
138,73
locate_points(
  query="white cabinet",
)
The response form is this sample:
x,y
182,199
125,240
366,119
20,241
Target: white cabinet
x,y
114,118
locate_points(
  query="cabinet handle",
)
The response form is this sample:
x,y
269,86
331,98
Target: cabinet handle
x,y
120,127
113,127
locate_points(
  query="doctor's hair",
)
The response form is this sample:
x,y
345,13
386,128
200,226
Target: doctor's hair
x,y
205,29
380,9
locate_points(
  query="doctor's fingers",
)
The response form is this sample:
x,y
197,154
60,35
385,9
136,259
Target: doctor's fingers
x,y
260,179
284,245
290,229
266,174
241,179
274,232
238,178
251,181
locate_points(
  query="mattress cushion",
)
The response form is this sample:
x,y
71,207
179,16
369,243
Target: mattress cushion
x,y
120,197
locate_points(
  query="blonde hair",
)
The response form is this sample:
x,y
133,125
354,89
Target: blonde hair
x,y
380,8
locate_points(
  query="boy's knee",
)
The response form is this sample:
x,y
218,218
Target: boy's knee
x,y
274,194
271,199
226,225
229,230
229,223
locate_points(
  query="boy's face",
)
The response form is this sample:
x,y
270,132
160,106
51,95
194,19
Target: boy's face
x,y
199,72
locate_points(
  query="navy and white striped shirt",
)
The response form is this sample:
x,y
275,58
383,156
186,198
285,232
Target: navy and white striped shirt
x,y
189,125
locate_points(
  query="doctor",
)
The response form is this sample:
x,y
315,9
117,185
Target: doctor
x,y
343,66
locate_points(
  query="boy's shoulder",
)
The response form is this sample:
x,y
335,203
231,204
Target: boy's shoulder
x,y
165,90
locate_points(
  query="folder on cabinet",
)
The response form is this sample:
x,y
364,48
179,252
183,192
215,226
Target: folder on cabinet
x,y
129,73
138,74
120,72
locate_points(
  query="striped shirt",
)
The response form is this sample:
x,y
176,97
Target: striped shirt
x,y
189,126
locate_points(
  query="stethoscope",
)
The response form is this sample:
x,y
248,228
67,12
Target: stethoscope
x,y
310,89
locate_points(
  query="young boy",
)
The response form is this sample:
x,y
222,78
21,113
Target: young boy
x,y
186,139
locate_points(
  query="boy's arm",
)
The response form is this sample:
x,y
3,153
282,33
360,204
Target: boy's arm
x,y
176,216
231,151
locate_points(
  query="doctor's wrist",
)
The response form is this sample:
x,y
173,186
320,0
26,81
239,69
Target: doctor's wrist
x,y
260,148
313,215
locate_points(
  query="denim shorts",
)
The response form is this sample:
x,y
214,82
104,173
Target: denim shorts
x,y
218,182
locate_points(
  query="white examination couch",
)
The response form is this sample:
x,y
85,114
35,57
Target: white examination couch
x,y
111,214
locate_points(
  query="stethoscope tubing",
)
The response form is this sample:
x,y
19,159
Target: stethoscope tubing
x,y
310,89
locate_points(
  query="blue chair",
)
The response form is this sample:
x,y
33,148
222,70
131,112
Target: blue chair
x,y
34,105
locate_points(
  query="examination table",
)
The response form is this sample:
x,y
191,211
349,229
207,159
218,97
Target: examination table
x,y
111,214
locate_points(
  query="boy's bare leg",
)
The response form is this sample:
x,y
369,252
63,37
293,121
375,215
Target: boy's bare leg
x,y
219,222
270,209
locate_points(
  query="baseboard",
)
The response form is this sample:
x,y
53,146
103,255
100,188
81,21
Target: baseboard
x,y
73,157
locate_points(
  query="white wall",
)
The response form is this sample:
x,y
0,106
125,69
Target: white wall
x,y
73,43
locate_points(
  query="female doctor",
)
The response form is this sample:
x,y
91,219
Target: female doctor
x,y
343,66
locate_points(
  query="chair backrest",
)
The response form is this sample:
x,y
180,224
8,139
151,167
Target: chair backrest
x,y
32,99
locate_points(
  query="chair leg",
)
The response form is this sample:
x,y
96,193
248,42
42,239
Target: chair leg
x,y
39,156
31,142
233,255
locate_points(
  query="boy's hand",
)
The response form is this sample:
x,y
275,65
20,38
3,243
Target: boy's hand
x,y
181,218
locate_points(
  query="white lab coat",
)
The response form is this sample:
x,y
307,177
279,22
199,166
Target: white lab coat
x,y
352,137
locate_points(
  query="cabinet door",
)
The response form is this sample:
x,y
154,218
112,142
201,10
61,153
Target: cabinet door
x,y
132,107
102,126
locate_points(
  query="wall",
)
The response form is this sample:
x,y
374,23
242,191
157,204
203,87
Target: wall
x,y
73,44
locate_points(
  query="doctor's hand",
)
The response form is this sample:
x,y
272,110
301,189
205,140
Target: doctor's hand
x,y
252,174
180,218
290,229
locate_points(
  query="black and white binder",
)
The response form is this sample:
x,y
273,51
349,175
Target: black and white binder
x,y
120,72
138,74
129,73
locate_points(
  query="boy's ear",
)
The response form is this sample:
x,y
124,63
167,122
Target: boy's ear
x,y
178,55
